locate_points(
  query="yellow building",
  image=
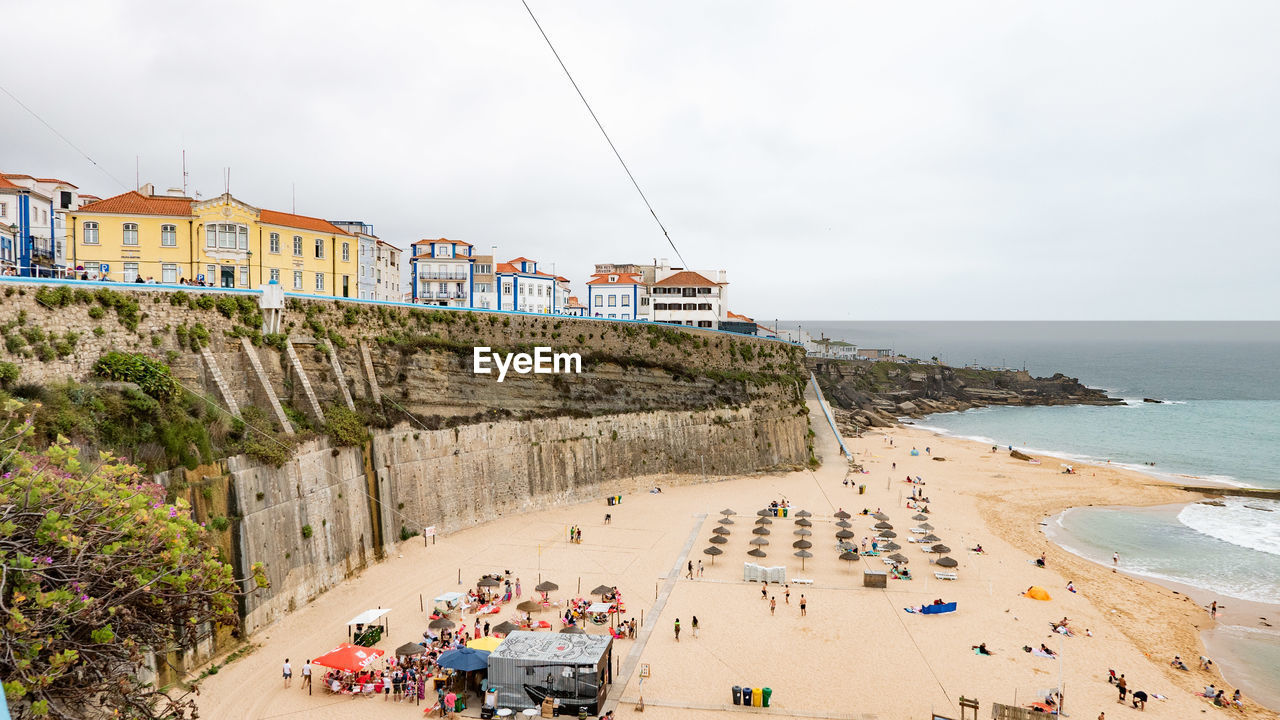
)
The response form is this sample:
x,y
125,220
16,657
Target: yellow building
x,y
221,241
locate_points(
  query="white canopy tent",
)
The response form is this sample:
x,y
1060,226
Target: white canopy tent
x,y
366,618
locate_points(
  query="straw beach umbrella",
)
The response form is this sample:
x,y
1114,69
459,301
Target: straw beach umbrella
x,y
725,521
899,558
845,524
848,555
488,582
804,514
727,512
572,630
931,538
846,547
802,532
925,526
756,552
713,551
883,526
442,624
760,531
602,590
763,521
546,586
759,541
803,555
804,522
919,516
721,531
802,544
890,546
843,515
719,539
844,534
764,512
880,516
530,606
505,628
940,549
888,534
947,562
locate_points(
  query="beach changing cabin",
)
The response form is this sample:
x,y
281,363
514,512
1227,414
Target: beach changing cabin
x,y
530,666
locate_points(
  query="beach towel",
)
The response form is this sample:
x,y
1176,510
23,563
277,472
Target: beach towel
x,y
938,609
1043,654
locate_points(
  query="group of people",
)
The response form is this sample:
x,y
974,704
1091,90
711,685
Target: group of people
x,y
575,534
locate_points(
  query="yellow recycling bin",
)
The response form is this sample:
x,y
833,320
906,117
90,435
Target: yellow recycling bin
x,y
757,697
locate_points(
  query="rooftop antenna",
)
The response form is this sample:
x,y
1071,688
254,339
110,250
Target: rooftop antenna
x,y
293,192
137,172
184,173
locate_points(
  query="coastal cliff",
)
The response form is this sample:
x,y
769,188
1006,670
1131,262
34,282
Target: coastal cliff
x,y
867,393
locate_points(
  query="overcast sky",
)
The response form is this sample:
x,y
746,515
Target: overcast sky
x,y
997,160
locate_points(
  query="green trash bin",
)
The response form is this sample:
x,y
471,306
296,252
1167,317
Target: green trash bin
x,y
764,700
784,512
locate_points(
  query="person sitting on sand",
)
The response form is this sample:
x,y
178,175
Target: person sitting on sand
x,y
1071,586
978,549
1210,691
1237,700
1177,662
1040,561
1205,663
1140,699
1221,699
1045,649
981,649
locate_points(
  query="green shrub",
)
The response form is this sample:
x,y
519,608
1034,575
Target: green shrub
x,y
33,334
345,427
45,352
14,343
99,332
152,376
306,531
199,336
226,305
8,373
275,340
219,523
55,297
96,312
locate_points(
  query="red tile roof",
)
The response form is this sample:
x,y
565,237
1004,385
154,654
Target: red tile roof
x,y
6,185
60,182
686,278
519,259
300,222
428,241
736,316
623,279
135,203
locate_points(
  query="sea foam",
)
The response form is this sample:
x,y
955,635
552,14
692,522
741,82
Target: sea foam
x,y
1237,523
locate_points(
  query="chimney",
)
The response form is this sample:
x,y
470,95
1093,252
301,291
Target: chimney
x,y
722,276
175,192
147,189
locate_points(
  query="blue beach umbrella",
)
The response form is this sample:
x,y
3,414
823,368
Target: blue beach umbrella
x,y
464,659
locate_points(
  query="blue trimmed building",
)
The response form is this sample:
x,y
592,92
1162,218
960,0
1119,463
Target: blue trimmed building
x,y
33,238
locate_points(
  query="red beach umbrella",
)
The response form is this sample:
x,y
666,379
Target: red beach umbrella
x,y
348,657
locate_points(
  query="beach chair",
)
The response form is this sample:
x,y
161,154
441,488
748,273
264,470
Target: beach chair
x,y
368,690
946,576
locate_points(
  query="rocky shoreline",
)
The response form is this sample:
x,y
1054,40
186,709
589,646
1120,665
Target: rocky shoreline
x,y
867,394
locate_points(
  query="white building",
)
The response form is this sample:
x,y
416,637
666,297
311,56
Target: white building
x,y
386,276
441,272
366,255
685,297
618,295
522,287
562,295
33,235
574,308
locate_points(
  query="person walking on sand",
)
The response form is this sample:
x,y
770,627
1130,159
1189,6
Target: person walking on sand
x,y
803,606
1115,559
764,590
288,672
1123,686
306,675
677,629
690,573
699,568
694,625
773,604
787,596
1213,609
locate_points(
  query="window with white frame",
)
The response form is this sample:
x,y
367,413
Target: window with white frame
x,y
168,236
275,243
131,233
130,271
599,300
319,282
90,233
297,279
211,273
346,252
613,300
626,301
506,288
275,275
320,248
297,246
244,276
169,273
226,236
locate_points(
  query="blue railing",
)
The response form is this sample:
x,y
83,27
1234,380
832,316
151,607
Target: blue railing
x,y
168,287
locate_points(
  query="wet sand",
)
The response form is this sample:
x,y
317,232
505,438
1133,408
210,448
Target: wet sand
x,y
856,654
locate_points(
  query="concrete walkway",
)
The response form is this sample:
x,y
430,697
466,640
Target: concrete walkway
x,y
655,614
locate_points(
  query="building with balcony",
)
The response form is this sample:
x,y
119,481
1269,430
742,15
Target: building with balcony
x,y
484,283
222,241
618,295
441,271
685,297
522,287
366,256
33,217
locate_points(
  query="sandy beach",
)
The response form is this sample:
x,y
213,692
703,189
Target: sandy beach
x,y
857,653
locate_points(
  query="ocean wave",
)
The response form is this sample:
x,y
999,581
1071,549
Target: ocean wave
x,y
1237,523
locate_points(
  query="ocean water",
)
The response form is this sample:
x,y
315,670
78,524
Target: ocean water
x,y
1219,422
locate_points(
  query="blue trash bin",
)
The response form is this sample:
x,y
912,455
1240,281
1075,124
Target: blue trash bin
x,y
746,696
737,695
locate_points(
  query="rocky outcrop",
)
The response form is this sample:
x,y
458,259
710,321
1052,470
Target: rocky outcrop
x,y
878,394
